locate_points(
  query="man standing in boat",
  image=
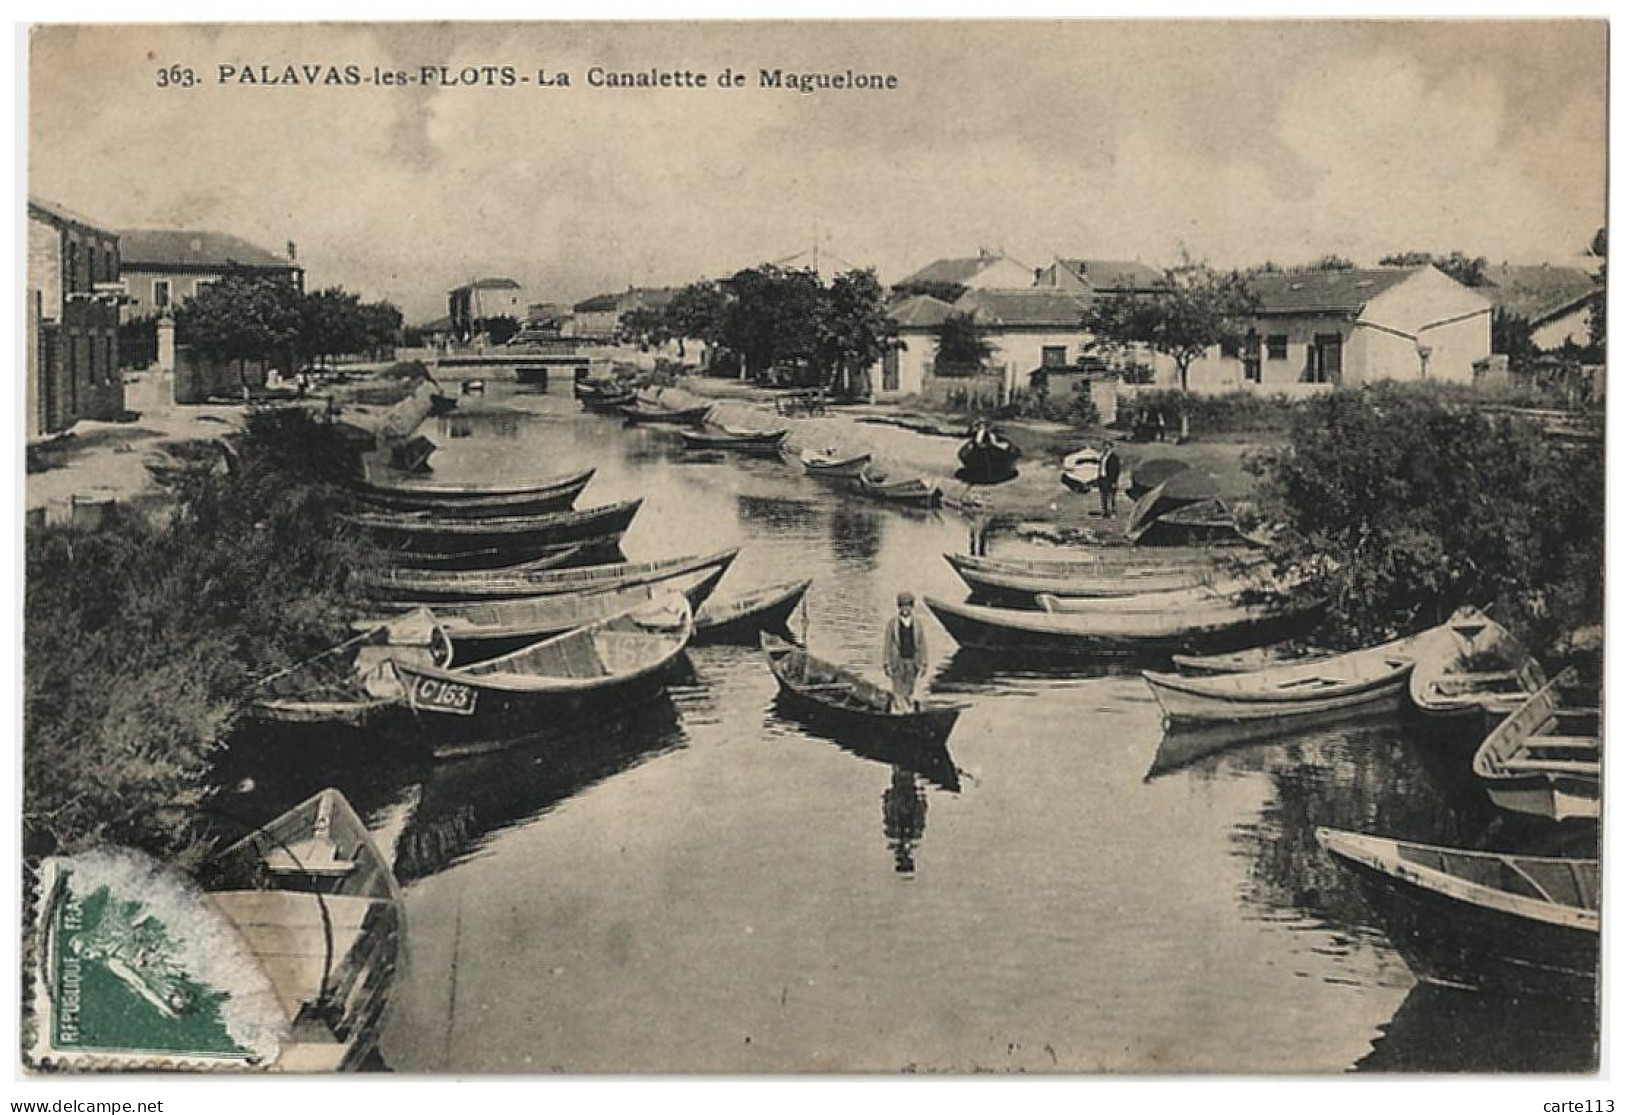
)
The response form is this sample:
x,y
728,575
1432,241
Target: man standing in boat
x,y
1111,467
905,653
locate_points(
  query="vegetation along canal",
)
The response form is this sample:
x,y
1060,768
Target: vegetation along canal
x,y
704,883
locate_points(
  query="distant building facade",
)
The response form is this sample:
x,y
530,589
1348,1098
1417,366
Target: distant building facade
x,y
1098,276
599,317
987,270
1354,326
481,299
1555,301
903,369
72,318
163,268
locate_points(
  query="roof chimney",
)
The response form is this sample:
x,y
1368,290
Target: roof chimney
x,y
293,250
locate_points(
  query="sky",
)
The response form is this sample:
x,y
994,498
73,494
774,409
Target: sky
x,y
1233,142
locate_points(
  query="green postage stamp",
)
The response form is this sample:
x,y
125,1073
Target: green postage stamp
x,y
134,967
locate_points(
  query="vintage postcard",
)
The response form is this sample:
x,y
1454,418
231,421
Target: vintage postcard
x,y
833,547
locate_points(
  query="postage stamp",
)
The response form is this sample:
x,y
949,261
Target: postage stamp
x,y
136,968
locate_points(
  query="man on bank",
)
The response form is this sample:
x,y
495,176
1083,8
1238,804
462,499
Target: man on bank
x,y
1111,467
905,653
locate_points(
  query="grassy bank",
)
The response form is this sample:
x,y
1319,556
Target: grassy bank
x,y
141,635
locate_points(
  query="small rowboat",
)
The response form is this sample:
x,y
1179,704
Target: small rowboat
x,y
988,457
1290,652
496,627
318,906
1365,680
1080,471
1018,583
352,684
763,443
1189,624
743,617
916,492
1485,921
604,397
1545,759
440,535
825,463
507,700
821,690
1469,674
474,502
501,559
644,413
414,586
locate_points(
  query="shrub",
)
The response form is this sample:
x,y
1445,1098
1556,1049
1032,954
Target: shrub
x,y
1232,412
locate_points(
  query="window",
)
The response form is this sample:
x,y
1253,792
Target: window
x,y
70,281
1054,356
1252,369
889,379
109,361
160,294
1276,343
90,267
1326,359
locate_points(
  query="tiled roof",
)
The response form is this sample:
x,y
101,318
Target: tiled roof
x,y
63,214
920,312
1539,292
1324,292
201,249
653,298
598,304
1113,274
959,270
1040,306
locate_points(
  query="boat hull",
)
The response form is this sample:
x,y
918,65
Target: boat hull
x,y
640,415
404,589
987,464
1182,706
732,624
471,504
442,536
849,469
1004,628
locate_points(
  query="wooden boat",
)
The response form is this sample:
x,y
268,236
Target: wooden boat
x,y
496,627
1469,674
1184,508
822,690
352,684
1486,921
827,464
1545,759
763,443
503,559
915,492
988,457
1288,652
1147,474
1080,471
473,501
411,588
318,906
437,534
1367,680
603,396
638,412
503,701
743,617
412,454
1214,624
1018,583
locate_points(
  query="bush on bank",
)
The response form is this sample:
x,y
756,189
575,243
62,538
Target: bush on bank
x,y
141,637
1411,503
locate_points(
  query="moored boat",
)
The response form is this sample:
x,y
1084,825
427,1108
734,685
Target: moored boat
x,y
1288,652
504,559
988,456
1018,582
516,697
1469,674
743,617
352,684
1367,680
638,412
1487,921
818,689
1545,759
319,907
496,627
475,501
411,588
1214,624
438,534
763,443
830,465
914,492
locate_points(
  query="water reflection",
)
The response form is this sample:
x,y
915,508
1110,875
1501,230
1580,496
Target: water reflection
x,y
1439,1029
983,670
902,813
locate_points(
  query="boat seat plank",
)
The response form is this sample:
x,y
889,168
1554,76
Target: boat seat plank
x,y
1552,766
1564,743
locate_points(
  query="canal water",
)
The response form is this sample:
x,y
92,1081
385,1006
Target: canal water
x,y
705,885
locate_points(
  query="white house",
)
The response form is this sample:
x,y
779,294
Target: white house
x,y
987,270
1350,326
903,369
1555,301
1098,276
1034,330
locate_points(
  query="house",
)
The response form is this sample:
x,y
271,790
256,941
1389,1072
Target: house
x,y
162,268
599,318
72,318
904,368
483,299
1555,301
1034,332
1349,326
987,270
1098,276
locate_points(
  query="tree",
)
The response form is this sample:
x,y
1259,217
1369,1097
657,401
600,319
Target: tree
x,y
380,327
1189,310
1597,320
1465,269
644,327
697,311
1332,262
962,344
1512,335
498,330
241,316
329,324
1403,505
853,330
946,292
772,318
